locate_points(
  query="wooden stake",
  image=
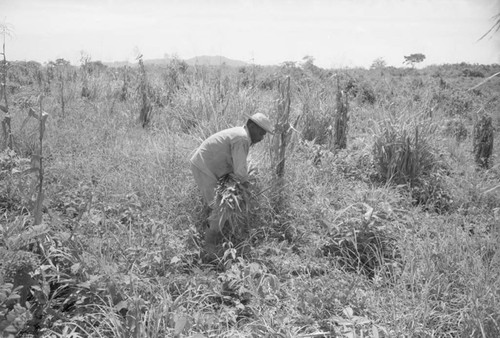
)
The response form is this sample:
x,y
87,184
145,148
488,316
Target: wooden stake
x,y
6,125
341,119
39,198
280,140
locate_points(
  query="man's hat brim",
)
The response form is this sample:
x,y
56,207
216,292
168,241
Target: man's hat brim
x,y
262,121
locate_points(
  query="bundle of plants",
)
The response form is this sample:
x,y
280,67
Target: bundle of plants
x,y
231,208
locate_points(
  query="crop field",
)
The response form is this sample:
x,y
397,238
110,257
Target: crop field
x,y
383,222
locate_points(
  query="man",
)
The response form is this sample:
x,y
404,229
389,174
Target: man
x,y
224,153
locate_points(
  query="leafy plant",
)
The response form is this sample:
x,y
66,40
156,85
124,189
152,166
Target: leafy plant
x,y
430,192
454,103
13,315
365,246
60,67
233,204
457,129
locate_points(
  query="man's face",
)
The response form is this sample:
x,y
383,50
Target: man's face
x,y
257,134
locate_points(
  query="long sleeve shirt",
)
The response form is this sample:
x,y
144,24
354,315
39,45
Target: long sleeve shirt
x,y
224,152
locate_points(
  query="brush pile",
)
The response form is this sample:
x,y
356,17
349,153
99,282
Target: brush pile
x,y
232,205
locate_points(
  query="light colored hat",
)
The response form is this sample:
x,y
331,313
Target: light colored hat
x,y
262,121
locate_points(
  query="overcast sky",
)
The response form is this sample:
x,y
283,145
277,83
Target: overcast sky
x,y
337,33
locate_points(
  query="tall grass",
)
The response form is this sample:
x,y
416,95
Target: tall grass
x,y
403,147
350,255
446,283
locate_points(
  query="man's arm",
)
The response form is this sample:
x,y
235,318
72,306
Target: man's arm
x,y
239,152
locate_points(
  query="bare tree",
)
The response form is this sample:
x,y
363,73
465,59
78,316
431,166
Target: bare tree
x,y
378,63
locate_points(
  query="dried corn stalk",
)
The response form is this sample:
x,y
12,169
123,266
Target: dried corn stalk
x,y
144,92
483,141
341,119
281,137
6,120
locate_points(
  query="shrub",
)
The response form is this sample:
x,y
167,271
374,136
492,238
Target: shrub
x,y
457,104
416,83
367,94
362,247
402,150
317,127
317,114
430,192
363,91
472,73
456,128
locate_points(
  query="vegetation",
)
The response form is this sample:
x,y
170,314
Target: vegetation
x,y
4,106
483,141
386,227
414,58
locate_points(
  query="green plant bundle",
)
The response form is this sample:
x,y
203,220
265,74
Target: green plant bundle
x,y
232,205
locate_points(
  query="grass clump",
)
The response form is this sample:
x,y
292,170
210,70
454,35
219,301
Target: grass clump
x,y
364,248
404,154
402,150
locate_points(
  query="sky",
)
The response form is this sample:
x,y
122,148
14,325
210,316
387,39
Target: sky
x,y
336,33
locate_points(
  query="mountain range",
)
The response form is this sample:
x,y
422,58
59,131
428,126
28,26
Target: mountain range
x,y
206,60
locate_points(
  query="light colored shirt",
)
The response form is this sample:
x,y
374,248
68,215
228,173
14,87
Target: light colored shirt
x,y
224,152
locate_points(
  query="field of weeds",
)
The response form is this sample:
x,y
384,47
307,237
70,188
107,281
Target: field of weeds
x,y
395,233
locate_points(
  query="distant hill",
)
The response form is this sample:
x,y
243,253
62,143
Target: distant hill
x,y
214,61
146,62
203,60
118,63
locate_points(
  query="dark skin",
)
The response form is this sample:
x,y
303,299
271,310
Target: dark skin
x,y
256,133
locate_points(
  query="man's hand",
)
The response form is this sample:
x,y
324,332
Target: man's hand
x,y
245,184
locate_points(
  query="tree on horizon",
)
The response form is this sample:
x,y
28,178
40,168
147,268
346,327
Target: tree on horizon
x,y
413,59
